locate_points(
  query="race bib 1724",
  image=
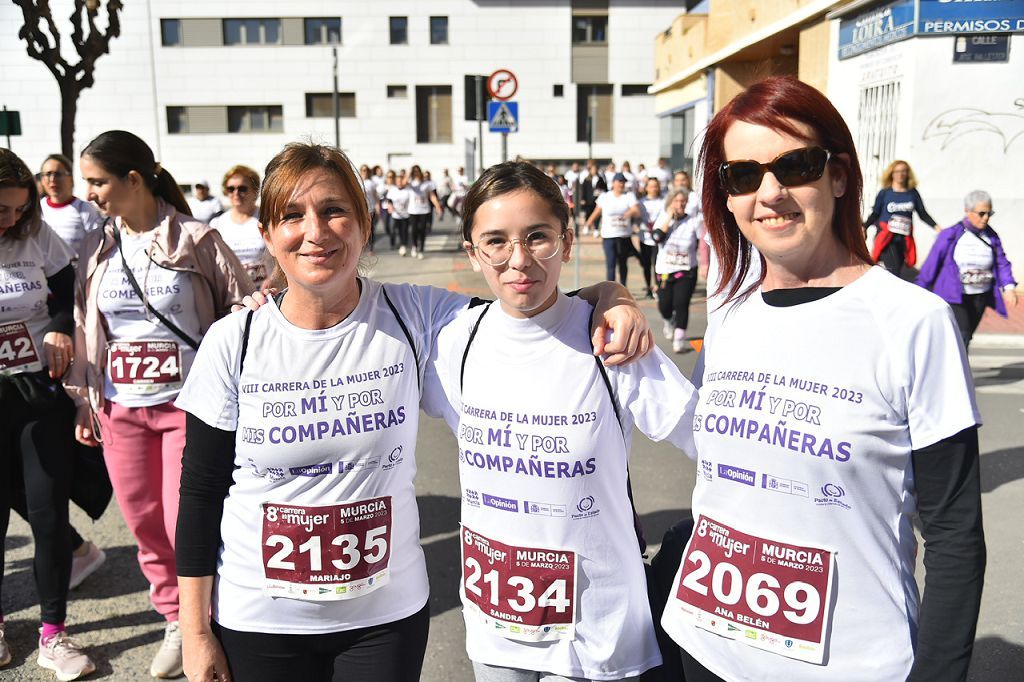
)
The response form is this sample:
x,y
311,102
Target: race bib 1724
x,y
329,553
144,367
764,593
522,593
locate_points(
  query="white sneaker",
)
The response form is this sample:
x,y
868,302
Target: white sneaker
x,y
679,345
5,651
420,255
65,658
414,252
668,329
401,250
85,565
167,662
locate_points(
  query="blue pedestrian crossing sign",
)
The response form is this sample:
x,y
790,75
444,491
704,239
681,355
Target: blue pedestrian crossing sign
x,y
503,117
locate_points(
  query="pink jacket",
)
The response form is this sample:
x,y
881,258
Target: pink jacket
x,y
180,243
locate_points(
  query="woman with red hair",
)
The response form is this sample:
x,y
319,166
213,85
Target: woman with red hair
x,y
816,450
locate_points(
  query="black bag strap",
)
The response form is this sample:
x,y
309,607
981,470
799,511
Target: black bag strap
x,y
245,342
192,343
405,330
469,342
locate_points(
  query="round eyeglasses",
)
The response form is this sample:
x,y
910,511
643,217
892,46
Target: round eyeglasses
x,y
496,249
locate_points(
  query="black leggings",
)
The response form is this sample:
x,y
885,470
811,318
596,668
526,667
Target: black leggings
x,y
894,254
674,294
968,313
36,446
402,228
392,652
419,229
648,252
694,671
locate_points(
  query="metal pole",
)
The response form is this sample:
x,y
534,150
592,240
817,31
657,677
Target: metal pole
x,y
480,122
590,138
504,147
335,99
7,127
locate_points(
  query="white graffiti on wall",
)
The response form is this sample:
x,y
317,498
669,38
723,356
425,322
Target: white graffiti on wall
x,y
954,124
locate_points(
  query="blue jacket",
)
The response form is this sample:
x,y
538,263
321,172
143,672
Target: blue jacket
x,y
941,274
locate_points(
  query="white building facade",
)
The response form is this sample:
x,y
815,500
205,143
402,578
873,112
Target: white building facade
x,y
214,83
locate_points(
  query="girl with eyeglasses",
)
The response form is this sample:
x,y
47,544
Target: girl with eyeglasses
x,y
240,226
297,482
836,405
36,429
69,216
893,214
150,284
967,267
552,578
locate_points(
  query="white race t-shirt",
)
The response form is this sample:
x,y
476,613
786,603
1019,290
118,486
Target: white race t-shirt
x,y
805,473
337,428
679,250
206,210
976,261
651,209
663,175
24,266
146,374
71,220
247,243
545,471
420,201
370,190
614,222
400,198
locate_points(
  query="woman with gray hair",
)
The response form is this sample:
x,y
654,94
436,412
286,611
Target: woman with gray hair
x,y
967,265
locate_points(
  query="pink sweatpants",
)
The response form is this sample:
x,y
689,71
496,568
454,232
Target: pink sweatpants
x,y
142,447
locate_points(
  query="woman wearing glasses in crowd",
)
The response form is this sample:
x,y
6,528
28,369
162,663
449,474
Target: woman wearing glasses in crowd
x,y
967,267
893,214
150,284
239,225
36,429
69,216
297,483
816,450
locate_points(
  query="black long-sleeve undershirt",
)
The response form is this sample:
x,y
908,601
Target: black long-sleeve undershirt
x,y
61,304
946,477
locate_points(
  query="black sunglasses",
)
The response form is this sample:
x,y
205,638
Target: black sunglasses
x,y
791,169
241,189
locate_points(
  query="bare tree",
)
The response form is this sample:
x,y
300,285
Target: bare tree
x,y
42,40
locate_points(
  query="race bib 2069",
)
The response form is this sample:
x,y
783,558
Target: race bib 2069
x,y
767,594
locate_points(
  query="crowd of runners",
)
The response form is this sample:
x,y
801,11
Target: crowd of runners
x,y
273,501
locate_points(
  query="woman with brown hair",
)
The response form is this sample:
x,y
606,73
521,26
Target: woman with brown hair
x,y
36,443
150,284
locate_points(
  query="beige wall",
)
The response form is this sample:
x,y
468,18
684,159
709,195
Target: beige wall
x,y
731,78
814,55
730,20
681,45
690,90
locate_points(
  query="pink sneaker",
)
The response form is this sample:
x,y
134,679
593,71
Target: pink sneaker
x,y
65,658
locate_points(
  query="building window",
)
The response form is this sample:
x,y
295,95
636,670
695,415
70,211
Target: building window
x,y
255,119
321,105
587,30
397,92
433,113
876,128
170,32
635,89
252,31
322,31
399,27
438,30
177,120
558,91
594,102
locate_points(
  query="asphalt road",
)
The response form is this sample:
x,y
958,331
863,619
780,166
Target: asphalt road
x,y
111,615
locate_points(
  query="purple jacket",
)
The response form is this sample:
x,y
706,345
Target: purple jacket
x,y
940,273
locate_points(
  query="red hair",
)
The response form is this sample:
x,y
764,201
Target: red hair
x,y
777,103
